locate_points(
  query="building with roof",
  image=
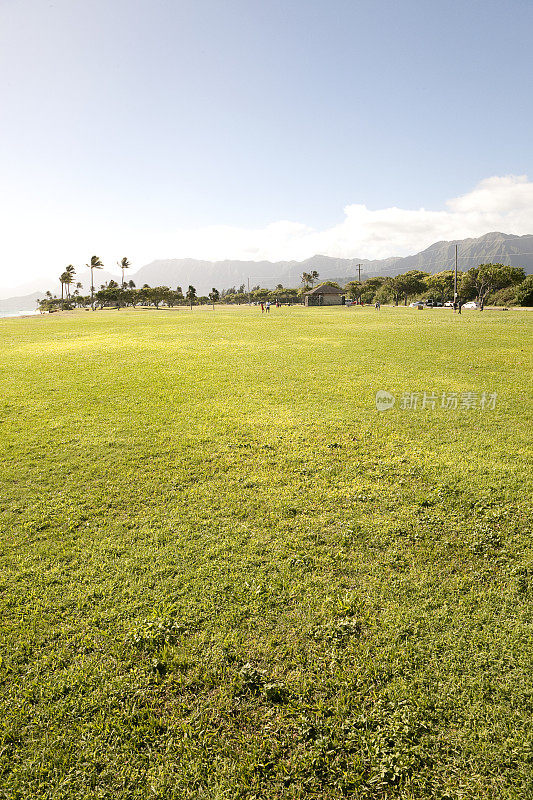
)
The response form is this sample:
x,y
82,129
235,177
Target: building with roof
x,y
325,295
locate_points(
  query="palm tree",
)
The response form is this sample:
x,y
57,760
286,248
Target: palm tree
x,y
62,280
95,263
123,264
70,271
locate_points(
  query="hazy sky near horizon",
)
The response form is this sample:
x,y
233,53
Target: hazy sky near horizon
x,y
253,129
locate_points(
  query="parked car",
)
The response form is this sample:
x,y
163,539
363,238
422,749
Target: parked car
x,y
471,305
448,304
417,304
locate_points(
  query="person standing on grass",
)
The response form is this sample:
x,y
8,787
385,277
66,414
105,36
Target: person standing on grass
x,y
267,305
378,305
262,307
459,305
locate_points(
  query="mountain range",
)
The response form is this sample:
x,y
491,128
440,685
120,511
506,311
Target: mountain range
x,y
203,275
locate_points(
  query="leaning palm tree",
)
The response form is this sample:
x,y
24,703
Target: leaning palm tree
x,y
95,263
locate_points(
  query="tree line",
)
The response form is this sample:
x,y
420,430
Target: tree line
x,y
496,284
112,295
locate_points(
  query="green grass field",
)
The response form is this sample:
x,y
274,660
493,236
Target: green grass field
x,y
225,574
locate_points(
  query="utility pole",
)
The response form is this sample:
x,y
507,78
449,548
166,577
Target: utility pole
x,y
249,295
455,277
359,278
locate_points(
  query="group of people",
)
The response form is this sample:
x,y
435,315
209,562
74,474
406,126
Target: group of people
x,y
266,306
457,305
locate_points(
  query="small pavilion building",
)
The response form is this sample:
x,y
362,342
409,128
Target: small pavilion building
x,y
325,295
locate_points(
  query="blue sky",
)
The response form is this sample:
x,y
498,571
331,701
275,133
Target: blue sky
x,y
246,128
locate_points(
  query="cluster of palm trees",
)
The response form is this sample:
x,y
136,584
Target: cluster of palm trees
x,y
67,277
113,294
309,278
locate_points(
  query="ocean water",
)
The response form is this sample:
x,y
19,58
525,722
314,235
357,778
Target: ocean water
x,y
23,313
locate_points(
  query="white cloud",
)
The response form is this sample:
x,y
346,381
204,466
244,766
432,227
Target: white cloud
x,y
37,244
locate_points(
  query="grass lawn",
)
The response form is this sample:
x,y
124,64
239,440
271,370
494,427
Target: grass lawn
x,y
225,574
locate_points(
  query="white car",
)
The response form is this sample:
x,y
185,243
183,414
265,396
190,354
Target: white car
x,y
417,304
471,305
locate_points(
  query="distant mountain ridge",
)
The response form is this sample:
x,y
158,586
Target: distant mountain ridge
x,y
204,275
14,305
